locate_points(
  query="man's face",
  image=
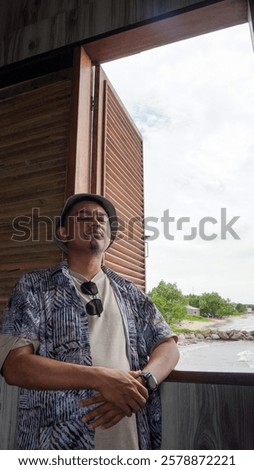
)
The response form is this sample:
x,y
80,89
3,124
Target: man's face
x,y
87,227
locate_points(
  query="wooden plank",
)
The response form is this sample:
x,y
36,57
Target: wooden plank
x,y
182,23
124,182
13,156
207,416
23,13
8,414
27,265
130,266
237,378
126,253
78,164
111,28
54,85
117,151
125,209
41,81
98,133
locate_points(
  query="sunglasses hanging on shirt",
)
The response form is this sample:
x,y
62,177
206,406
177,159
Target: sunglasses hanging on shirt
x,y
94,307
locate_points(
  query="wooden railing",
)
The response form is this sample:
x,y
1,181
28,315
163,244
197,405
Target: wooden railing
x,y
208,410
8,414
200,410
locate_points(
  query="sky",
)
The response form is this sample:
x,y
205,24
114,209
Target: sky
x,y
193,103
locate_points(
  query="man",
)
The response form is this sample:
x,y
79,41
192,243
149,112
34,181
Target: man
x,y
86,347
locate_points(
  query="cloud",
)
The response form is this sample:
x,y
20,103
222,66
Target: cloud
x,y
150,118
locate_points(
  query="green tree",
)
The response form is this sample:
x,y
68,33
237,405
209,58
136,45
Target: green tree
x,y
169,300
241,308
215,305
192,300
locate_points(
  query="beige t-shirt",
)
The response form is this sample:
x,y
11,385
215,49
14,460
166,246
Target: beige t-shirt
x,y
108,349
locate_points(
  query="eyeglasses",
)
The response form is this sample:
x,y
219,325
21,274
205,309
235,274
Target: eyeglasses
x,y
94,307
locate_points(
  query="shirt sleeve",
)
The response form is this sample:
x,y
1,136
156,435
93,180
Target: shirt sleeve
x,y
155,328
21,318
8,343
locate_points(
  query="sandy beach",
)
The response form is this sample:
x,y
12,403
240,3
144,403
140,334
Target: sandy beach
x,y
242,322
213,323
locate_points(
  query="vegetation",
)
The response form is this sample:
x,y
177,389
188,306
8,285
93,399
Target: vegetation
x,y
213,305
172,304
170,301
241,308
195,318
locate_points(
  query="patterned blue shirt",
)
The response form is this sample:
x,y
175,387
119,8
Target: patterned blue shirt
x,y
46,307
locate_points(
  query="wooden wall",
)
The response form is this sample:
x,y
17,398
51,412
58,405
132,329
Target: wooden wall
x,y
29,28
35,120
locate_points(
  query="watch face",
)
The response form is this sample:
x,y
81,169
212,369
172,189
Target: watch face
x,y
151,382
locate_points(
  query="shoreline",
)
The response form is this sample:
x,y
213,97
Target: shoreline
x,y
207,331
202,325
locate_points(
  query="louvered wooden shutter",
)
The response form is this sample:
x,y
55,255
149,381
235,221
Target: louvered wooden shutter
x,y
33,154
118,174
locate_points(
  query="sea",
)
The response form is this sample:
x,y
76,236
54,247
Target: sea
x,y
219,355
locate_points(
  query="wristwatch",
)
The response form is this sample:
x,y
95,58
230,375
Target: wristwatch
x,y
150,381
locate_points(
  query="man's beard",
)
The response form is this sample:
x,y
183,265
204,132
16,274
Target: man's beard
x,y
94,246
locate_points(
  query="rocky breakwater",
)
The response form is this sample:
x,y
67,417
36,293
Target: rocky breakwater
x,y
214,335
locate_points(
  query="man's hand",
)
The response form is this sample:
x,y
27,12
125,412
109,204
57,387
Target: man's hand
x,y
121,389
105,415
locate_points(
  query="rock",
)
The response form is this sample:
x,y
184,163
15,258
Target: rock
x,y
235,336
249,337
223,335
232,333
200,336
185,339
214,336
206,334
